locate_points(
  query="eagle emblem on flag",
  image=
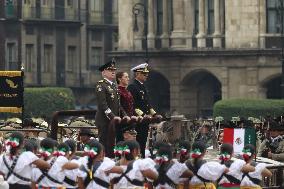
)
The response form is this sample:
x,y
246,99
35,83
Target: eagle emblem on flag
x,y
238,141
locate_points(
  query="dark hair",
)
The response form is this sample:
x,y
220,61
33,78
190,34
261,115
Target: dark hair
x,y
72,144
118,76
131,145
20,137
94,143
30,145
166,150
47,143
226,147
63,146
185,144
251,149
199,145
159,144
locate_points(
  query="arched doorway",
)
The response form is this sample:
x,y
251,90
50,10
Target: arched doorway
x,y
159,92
200,90
273,88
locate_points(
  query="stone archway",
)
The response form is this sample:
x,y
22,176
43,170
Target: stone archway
x,y
159,91
200,89
273,87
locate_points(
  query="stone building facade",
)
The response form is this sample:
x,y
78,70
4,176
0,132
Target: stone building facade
x,y
59,42
201,51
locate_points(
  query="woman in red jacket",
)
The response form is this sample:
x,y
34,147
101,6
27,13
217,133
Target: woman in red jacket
x,y
126,102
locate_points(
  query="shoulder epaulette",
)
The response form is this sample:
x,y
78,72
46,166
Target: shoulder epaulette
x,y
100,81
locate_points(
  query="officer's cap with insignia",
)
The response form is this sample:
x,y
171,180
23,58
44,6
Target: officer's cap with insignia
x,y
129,128
141,68
110,65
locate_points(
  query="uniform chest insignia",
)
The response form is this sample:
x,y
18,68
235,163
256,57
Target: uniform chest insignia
x,y
99,88
112,95
142,94
110,89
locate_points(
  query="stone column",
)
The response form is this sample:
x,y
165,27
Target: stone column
x,y
125,28
165,36
189,22
151,35
201,40
217,40
139,35
262,22
178,34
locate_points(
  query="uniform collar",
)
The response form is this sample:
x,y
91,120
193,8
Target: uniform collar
x,y
108,81
139,81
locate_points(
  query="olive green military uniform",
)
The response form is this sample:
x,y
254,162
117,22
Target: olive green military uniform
x,y
277,155
108,107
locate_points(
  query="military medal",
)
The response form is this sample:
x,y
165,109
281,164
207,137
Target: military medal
x,y
112,95
99,87
142,95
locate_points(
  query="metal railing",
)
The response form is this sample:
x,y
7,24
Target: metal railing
x,y
276,181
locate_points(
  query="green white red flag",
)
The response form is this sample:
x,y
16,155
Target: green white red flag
x,y
239,137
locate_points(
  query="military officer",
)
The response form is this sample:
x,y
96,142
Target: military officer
x,y
108,106
142,106
272,146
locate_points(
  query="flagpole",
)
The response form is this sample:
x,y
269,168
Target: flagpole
x,y
23,89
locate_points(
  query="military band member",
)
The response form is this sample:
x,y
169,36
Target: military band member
x,y
108,106
142,106
273,146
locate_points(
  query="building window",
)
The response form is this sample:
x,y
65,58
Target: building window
x,y
196,17
96,57
12,63
210,27
273,11
29,30
72,58
72,32
45,2
159,17
47,58
29,57
48,31
97,36
97,5
70,3
27,2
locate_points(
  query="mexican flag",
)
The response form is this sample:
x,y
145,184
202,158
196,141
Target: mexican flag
x,y
239,137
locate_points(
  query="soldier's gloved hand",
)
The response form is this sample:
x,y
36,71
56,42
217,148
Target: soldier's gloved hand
x,y
139,119
125,119
147,119
116,119
134,119
157,118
